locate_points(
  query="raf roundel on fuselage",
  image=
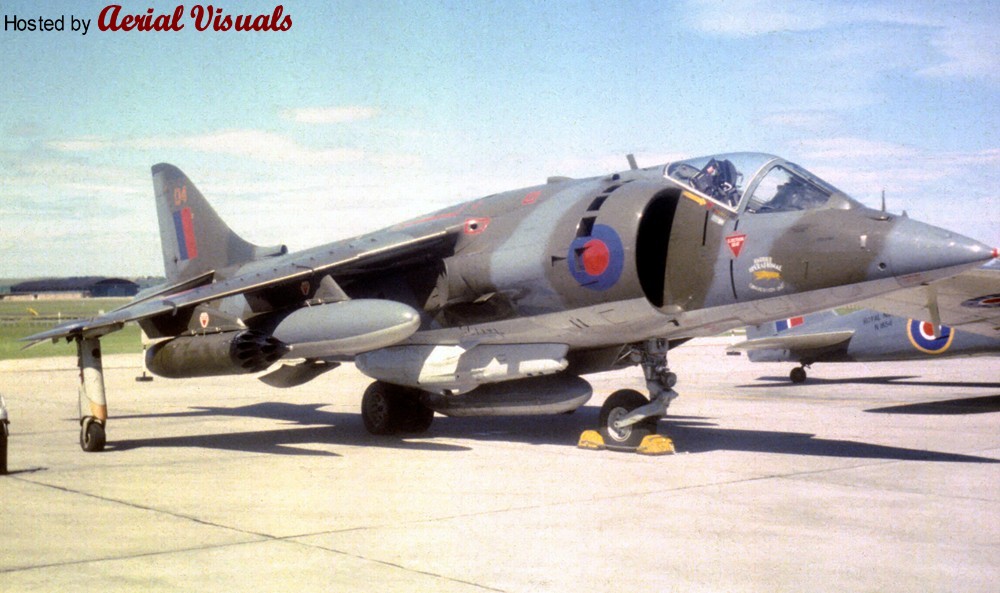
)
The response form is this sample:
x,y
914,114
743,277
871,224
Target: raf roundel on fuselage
x,y
596,260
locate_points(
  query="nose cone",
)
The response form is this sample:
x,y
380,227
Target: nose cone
x,y
919,252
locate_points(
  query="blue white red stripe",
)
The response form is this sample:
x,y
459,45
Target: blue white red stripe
x,y
785,324
187,244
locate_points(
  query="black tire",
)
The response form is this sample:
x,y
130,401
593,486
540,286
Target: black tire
x,y
92,437
388,409
415,417
380,409
797,375
618,404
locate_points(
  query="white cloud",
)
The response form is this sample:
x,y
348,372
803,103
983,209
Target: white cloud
x,y
85,144
247,144
971,51
860,150
330,115
809,121
963,36
243,144
954,189
34,177
853,148
262,146
748,18
585,166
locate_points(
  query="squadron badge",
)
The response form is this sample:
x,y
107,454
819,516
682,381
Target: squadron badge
x,y
766,275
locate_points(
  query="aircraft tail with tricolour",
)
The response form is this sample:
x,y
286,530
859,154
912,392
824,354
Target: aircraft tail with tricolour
x,y
196,242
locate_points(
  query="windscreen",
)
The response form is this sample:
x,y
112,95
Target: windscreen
x,y
784,189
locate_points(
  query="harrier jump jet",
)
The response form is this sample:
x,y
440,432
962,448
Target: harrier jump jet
x,y
500,305
905,325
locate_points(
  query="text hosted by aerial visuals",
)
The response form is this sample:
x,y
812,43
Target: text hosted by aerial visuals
x,y
130,18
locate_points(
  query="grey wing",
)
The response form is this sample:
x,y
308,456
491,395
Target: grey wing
x,y
969,301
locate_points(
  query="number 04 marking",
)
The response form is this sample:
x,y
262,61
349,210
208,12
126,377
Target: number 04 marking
x,y
180,195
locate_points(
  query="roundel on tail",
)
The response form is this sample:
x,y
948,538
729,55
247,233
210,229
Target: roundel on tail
x,y
596,260
921,335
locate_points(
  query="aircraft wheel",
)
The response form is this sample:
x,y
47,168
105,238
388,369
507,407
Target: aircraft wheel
x,y
618,405
798,375
417,418
414,416
380,408
92,437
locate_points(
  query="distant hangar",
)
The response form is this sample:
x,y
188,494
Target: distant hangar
x,y
74,287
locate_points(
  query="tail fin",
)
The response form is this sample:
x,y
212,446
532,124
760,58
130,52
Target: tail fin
x,y
194,239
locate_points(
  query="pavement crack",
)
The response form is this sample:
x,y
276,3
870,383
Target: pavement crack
x,y
294,540
145,508
258,538
84,561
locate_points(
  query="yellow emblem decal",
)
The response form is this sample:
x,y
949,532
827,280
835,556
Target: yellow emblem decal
x,y
766,275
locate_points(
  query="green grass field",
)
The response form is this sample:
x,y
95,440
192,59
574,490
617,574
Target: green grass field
x,y
23,318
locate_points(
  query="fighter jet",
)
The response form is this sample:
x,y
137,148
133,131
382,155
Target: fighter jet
x,y
501,304
969,302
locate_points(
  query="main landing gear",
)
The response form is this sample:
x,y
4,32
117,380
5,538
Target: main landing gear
x,y
389,409
93,404
628,420
798,374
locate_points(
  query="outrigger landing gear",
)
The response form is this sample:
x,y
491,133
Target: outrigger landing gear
x,y
93,405
628,420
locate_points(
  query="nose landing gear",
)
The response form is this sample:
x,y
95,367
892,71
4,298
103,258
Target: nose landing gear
x,y
628,420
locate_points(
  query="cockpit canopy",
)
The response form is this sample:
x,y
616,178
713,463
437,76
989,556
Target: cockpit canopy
x,y
763,182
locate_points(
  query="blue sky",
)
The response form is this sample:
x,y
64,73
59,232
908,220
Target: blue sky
x,y
364,113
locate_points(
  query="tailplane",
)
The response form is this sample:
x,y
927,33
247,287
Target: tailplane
x,y
770,329
195,240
